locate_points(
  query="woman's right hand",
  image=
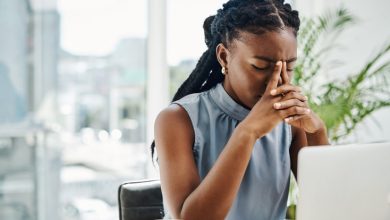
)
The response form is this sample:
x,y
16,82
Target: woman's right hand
x,y
264,117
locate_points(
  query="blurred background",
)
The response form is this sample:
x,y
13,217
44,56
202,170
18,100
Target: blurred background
x,y
81,82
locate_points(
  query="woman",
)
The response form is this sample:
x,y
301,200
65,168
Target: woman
x,y
228,141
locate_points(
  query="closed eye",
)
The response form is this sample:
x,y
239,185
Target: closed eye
x,y
290,68
259,68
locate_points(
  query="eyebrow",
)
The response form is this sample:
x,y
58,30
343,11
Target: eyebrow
x,y
274,61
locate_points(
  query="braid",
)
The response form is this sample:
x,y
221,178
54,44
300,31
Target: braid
x,y
201,78
197,77
254,16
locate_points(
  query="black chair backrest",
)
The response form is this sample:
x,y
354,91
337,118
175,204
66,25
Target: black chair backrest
x,y
140,200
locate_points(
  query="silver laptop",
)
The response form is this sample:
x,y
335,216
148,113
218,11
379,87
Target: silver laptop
x,y
348,182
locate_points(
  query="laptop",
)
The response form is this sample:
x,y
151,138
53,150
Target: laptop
x,y
345,182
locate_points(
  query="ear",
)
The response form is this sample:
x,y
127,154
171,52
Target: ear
x,y
222,54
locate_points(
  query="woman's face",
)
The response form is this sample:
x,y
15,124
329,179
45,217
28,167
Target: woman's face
x,y
250,61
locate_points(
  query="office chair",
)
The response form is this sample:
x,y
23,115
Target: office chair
x,y
140,200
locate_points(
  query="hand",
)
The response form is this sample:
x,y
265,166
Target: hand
x,y
264,117
292,98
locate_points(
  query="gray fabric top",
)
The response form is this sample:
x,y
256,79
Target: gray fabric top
x,y
264,189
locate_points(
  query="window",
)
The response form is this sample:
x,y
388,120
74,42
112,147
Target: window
x,y
73,121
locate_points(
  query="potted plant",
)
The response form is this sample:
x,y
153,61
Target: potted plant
x,y
341,103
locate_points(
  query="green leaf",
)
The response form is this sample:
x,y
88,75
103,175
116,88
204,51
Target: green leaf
x,y
342,104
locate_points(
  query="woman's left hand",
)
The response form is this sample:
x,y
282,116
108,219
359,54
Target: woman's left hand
x,y
290,98
309,122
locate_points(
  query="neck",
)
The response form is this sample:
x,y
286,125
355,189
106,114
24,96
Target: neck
x,y
229,90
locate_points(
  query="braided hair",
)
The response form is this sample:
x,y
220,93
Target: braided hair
x,y
253,16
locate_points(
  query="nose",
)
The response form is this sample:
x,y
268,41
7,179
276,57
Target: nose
x,y
280,82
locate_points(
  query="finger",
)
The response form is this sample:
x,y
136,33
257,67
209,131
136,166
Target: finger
x,y
289,103
294,118
295,110
273,82
285,78
284,89
295,95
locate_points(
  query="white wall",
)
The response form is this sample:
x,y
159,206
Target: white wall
x,y
360,41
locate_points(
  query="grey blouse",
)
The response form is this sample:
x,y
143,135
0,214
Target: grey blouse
x,y
264,189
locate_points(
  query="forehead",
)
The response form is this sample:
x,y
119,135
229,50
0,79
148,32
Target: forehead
x,y
277,45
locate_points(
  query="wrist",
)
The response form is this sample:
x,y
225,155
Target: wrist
x,y
246,130
319,130
319,137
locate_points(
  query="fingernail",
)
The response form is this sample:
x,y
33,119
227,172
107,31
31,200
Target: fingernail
x,y
287,119
306,98
307,111
277,105
279,63
273,92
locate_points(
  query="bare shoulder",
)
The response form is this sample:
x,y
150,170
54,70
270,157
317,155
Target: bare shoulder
x,y
174,113
174,121
174,135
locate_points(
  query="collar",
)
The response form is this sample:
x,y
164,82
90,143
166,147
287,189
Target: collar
x,y
227,104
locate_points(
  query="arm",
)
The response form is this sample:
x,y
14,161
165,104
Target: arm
x,y
302,139
188,198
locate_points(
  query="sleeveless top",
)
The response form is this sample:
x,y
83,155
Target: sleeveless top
x,y
264,189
